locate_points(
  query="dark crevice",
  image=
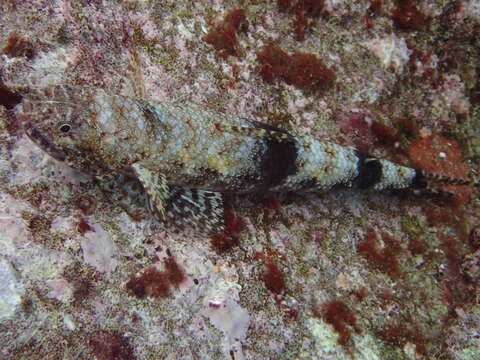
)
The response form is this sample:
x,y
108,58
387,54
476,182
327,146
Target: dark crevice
x,y
8,98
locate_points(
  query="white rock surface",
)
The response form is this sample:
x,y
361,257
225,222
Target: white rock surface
x,y
11,290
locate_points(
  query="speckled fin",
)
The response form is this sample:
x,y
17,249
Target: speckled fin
x,y
200,210
157,189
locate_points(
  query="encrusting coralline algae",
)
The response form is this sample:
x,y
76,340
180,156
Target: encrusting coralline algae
x,y
328,274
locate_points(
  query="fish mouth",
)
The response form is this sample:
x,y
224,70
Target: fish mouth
x,y
42,141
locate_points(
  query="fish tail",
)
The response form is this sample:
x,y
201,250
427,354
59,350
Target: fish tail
x,y
321,165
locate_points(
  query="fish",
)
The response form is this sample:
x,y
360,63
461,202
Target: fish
x,y
189,158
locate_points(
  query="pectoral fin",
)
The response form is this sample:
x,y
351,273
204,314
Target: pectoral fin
x,y
200,210
156,187
182,207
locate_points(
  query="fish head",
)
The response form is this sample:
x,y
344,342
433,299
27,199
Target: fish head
x,y
60,121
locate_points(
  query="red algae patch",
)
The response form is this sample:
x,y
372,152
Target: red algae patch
x,y
397,335
305,11
337,314
365,131
438,155
86,204
83,226
221,242
441,216
151,283
273,277
223,37
384,258
374,9
156,283
406,16
455,287
304,71
224,241
270,202
233,223
284,5
111,346
416,246
384,135
18,47
175,273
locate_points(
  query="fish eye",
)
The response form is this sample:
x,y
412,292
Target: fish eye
x,y
65,128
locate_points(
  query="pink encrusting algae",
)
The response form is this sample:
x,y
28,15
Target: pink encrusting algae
x,y
85,270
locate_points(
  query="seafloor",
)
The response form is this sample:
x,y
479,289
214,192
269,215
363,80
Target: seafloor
x,y
86,274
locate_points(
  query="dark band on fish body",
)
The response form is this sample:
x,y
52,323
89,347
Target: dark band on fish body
x,y
278,161
419,181
369,171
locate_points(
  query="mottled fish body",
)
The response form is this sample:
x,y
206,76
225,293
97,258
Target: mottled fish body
x,y
186,157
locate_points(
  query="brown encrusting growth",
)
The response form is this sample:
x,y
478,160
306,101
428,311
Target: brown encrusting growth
x,y
384,258
304,71
110,346
223,37
337,314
